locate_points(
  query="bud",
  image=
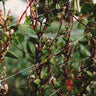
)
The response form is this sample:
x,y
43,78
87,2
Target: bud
x,y
46,37
70,44
90,35
7,32
94,60
63,13
6,87
30,72
46,3
92,86
33,9
4,67
43,47
7,48
36,46
59,15
48,40
72,40
84,95
94,73
2,77
57,60
32,76
79,69
54,79
12,31
75,43
51,38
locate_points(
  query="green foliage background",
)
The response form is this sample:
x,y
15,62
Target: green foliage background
x,y
22,47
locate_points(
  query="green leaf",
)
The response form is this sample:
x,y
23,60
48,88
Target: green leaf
x,y
18,38
24,89
45,51
10,18
44,59
84,52
84,21
47,87
33,84
88,88
50,14
37,30
37,81
44,74
78,83
11,55
86,8
47,23
94,32
30,48
57,6
14,27
28,20
57,84
94,88
50,1
34,40
89,73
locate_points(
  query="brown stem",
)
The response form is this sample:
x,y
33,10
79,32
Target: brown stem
x,y
82,23
85,86
39,92
71,50
49,75
41,7
36,20
70,30
56,35
23,14
41,22
56,89
63,51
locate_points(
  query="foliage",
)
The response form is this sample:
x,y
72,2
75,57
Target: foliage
x,y
65,66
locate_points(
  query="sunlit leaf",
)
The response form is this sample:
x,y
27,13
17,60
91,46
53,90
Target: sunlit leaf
x,y
37,81
57,6
89,73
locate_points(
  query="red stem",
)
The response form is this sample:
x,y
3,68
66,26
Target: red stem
x,y
56,35
70,30
36,19
25,11
82,23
